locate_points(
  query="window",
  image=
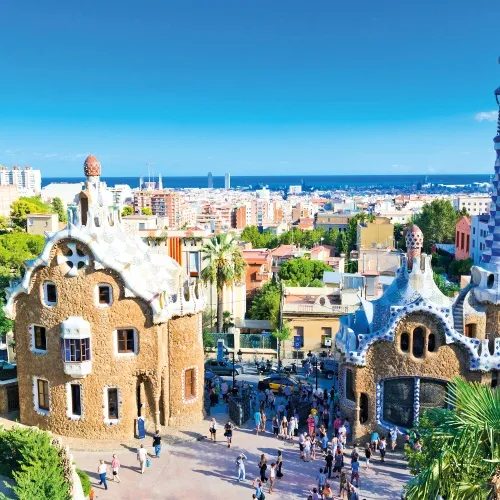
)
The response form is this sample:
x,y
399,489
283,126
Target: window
x,y
349,385
49,294
113,413
39,338
363,408
76,350
299,332
326,331
189,383
494,378
432,395
126,341
104,295
491,281
418,342
404,342
76,400
42,387
398,401
431,342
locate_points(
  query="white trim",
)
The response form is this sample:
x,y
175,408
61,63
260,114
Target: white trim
x,y
105,405
69,402
46,302
10,381
33,349
36,403
96,296
193,399
115,343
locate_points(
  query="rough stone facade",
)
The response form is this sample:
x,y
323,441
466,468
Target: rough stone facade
x,y
387,360
163,351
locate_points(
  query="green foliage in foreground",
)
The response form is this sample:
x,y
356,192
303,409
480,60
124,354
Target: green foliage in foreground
x,y
29,458
461,448
85,480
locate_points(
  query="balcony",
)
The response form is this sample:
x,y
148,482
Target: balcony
x,y
76,352
317,309
78,369
262,276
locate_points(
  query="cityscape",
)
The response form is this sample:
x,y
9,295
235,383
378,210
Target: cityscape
x,y
269,315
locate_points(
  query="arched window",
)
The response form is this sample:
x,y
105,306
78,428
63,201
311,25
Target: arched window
x,y
431,342
363,408
398,401
418,342
404,342
491,281
432,394
349,385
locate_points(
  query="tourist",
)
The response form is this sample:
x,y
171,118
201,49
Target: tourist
x,y
279,464
115,467
271,400
291,428
374,440
321,478
355,452
228,432
337,423
276,426
259,494
338,462
324,444
263,420
263,468
157,443
288,392
355,471
382,446
329,464
326,418
297,418
281,410
313,446
302,440
102,470
224,391
368,455
352,494
314,494
393,434
213,429
310,424
347,427
343,484
283,428
240,464
258,418
327,491
142,456
213,397
307,449
272,477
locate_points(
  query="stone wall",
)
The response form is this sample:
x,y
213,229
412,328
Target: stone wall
x,y
130,373
386,359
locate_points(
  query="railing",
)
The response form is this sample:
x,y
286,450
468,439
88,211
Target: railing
x,y
261,276
255,341
240,407
316,309
227,337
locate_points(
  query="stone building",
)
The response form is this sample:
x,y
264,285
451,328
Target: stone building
x,y
106,329
399,351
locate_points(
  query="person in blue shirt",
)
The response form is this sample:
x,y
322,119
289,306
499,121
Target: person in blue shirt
x,y
355,472
258,418
374,440
324,443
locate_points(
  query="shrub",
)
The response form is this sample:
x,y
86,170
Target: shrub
x,y
84,478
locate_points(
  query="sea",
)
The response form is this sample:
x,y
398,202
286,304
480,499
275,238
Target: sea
x,y
308,182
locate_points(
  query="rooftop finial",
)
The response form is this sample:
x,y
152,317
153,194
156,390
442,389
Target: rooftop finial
x,y
497,97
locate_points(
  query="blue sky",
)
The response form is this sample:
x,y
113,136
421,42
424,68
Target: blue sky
x,y
249,86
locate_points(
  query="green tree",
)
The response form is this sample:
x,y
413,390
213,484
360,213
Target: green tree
x,y
6,324
4,224
58,208
25,206
282,335
342,245
448,289
460,446
127,211
225,266
399,232
146,211
437,222
266,303
459,268
208,341
35,465
303,272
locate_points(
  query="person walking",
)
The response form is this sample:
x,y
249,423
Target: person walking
x,y
213,429
142,456
279,464
263,468
355,471
311,423
263,420
272,477
102,470
374,440
338,462
326,418
258,418
228,432
337,423
276,426
368,455
307,449
327,491
302,440
240,464
291,428
343,484
321,478
259,493
329,464
157,443
115,467
382,446
393,434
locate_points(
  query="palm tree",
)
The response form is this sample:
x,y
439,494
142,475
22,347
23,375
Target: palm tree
x,y
461,446
225,267
227,321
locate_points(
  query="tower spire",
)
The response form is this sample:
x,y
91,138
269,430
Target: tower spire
x,y
491,254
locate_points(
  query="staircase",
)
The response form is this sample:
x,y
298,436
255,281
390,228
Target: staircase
x,y
458,310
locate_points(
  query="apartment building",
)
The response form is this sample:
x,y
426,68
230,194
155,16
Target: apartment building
x,y
27,180
259,264
8,195
462,238
479,232
376,234
475,205
162,203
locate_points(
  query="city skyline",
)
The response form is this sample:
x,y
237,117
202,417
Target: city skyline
x,y
243,89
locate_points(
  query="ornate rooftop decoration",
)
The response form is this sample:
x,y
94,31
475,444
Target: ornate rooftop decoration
x,y
92,167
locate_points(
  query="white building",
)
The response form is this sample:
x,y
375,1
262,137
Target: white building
x,y
27,180
475,205
68,193
478,233
295,189
122,194
227,181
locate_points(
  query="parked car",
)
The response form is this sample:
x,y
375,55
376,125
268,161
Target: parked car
x,y
330,367
276,380
223,367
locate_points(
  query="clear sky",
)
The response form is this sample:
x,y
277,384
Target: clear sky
x,y
249,86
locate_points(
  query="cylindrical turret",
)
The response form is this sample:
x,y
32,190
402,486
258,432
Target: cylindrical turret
x,y
414,244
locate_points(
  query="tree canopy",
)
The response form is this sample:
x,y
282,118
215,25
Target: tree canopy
x,y
266,303
127,210
146,211
460,453
303,272
437,222
27,205
58,208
